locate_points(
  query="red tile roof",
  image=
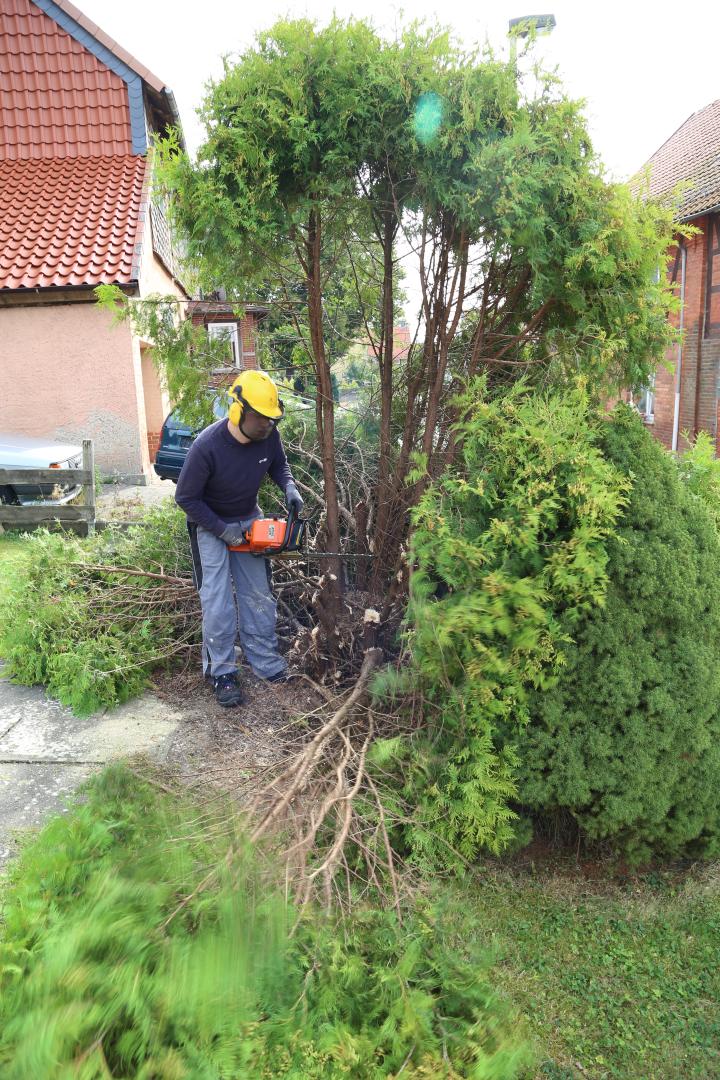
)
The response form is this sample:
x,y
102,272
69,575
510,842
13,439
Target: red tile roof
x,y
691,154
72,221
56,98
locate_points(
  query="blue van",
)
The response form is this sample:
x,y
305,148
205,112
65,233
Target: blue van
x,y
175,441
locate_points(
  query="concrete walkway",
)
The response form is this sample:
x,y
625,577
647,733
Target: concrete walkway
x,y
45,751
125,502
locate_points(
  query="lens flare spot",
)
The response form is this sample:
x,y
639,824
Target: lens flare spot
x,y
428,116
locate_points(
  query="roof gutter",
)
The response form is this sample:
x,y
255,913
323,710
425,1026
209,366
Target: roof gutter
x,y
56,295
701,213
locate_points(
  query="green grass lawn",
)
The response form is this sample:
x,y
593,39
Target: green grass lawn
x,y
13,548
612,980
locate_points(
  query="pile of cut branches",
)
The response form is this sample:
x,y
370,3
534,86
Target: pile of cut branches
x,y
92,618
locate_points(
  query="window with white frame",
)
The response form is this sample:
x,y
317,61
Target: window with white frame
x,y
644,401
228,333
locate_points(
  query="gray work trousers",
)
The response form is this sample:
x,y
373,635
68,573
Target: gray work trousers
x,y
235,594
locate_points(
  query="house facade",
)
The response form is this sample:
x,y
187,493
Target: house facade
x,y
685,397
401,343
77,209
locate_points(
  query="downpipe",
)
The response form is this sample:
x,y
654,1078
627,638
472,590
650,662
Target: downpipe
x,y
678,366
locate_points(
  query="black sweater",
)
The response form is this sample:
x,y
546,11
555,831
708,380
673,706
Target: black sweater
x,y
220,479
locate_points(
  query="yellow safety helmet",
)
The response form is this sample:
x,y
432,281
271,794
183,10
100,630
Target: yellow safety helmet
x,y
256,390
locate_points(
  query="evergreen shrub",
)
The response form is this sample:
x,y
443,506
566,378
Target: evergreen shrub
x,y
627,741
141,939
700,471
508,552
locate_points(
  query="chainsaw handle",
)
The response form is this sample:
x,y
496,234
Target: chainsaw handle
x,y
290,521
292,515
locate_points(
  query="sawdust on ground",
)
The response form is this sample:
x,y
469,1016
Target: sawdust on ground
x,y
234,749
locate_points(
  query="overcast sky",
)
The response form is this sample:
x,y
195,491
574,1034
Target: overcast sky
x,y
642,67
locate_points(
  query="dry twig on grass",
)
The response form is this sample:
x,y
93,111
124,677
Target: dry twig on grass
x,y
320,803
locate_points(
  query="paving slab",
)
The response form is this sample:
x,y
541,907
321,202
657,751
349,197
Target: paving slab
x,y
35,728
126,502
29,794
46,751
19,702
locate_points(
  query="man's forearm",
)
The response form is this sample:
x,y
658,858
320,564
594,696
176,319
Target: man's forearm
x,y
191,501
199,512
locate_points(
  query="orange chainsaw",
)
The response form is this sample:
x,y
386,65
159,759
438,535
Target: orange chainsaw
x,y
279,537
273,535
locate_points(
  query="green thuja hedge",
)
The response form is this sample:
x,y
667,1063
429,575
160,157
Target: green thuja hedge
x,y
140,939
627,741
508,551
700,472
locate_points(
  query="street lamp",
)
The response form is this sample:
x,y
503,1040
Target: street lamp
x,y
525,23
523,27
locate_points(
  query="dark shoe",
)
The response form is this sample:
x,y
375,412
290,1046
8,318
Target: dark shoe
x,y
278,677
227,691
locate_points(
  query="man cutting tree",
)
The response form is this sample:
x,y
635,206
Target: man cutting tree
x,y
218,490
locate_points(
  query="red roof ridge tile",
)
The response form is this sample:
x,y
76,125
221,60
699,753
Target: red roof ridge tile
x,y
691,155
696,113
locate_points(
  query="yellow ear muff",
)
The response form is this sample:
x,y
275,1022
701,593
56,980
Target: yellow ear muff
x,y
235,410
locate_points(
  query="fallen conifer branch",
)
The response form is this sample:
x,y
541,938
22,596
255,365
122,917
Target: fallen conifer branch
x,y
323,810
307,758
97,568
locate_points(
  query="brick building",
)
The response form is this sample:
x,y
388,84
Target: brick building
x,y
401,343
77,210
221,321
687,398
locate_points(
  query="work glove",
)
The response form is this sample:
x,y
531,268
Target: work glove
x,y
233,535
293,498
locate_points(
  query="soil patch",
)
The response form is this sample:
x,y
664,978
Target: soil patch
x,y
233,749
